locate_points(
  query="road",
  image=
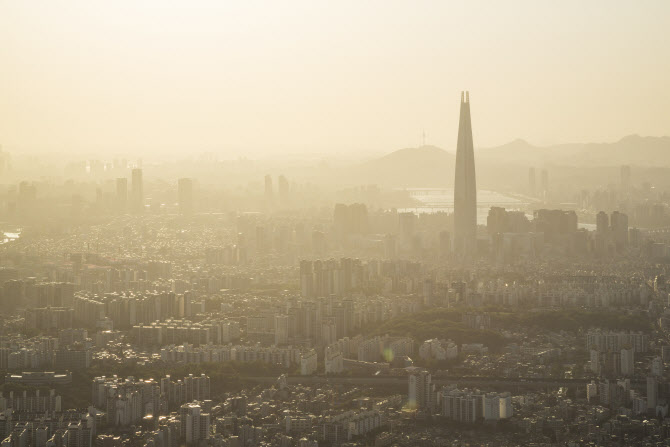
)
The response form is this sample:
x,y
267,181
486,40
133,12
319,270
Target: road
x,y
460,380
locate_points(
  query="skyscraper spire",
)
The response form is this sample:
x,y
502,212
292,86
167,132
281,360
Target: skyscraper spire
x,y
465,187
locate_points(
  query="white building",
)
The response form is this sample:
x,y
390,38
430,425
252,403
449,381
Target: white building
x,y
334,361
438,349
594,363
356,424
497,406
657,367
639,403
627,361
281,330
652,392
615,341
491,407
370,350
194,423
506,410
328,332
591,391
364,422
308,363
462,406
420,389
297,423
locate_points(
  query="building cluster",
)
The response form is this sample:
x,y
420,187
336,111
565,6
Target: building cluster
x,y
387,326
171,332
123,402
452,403
71,350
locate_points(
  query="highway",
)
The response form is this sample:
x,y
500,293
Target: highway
x,y
464,381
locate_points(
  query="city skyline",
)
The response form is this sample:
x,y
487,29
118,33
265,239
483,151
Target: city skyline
x,y
266,224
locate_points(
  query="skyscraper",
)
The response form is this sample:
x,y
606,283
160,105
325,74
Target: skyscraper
x,y
544,184
619,225
465,187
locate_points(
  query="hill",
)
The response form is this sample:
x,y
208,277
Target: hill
x,y
505,167
632,149
426,166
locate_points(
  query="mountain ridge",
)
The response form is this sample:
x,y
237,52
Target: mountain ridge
x,y
434,166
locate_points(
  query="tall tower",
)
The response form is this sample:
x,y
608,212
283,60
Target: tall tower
x,y
465,187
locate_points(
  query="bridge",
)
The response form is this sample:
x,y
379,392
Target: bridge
x,y
441,198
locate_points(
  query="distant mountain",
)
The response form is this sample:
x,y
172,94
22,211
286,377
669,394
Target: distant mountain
x,y
426,166
521,149
412,154
506,166
633,149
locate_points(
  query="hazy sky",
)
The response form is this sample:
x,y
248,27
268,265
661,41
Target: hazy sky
x,y
273,77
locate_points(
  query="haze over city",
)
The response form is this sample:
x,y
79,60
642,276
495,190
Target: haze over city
x,y
334,224
262,79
